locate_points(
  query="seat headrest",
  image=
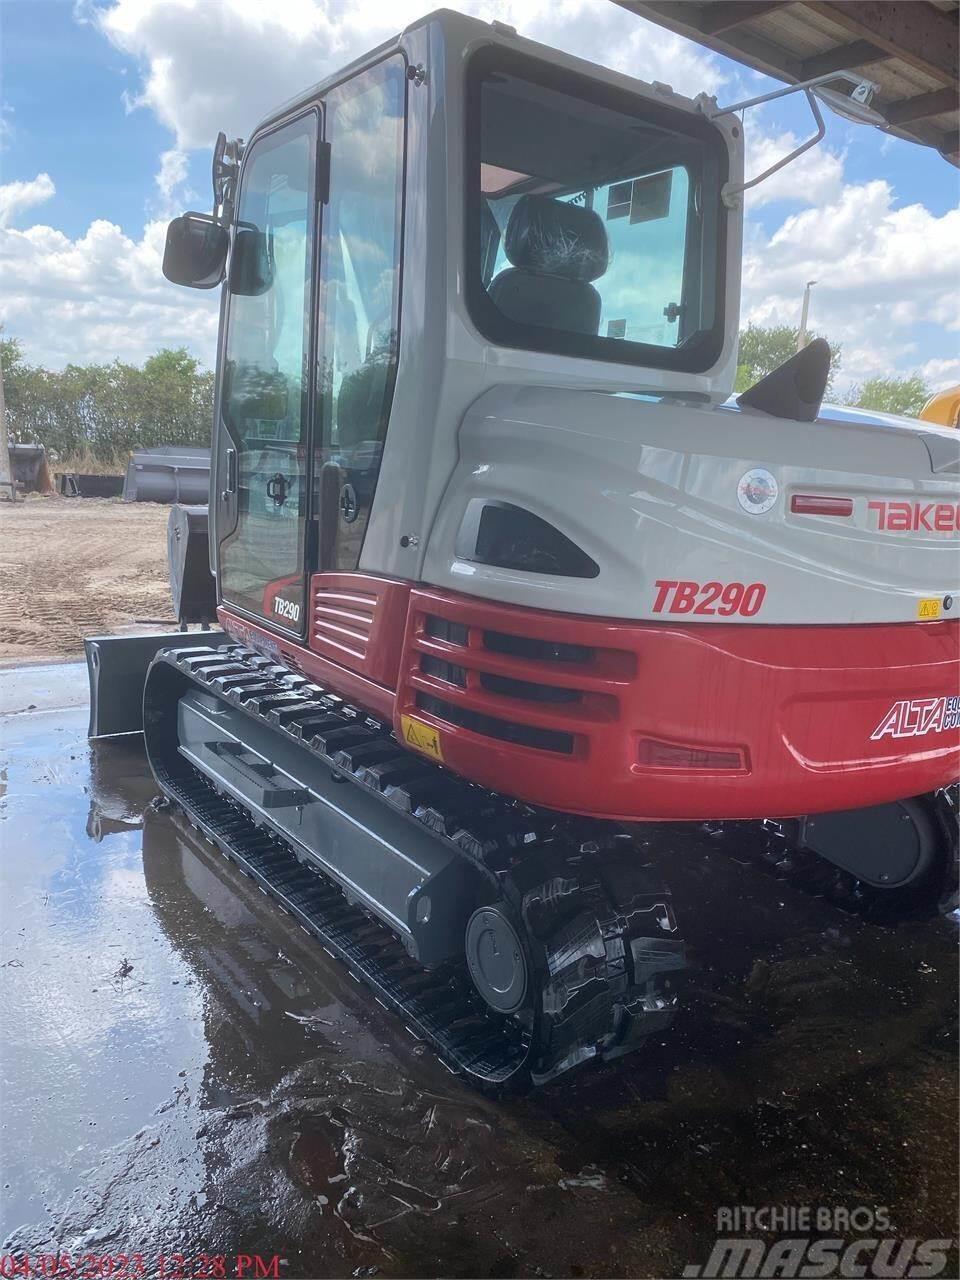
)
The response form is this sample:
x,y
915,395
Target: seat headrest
x,y
556,238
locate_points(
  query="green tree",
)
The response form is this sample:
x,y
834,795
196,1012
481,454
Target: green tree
x,y
105,410
24,392
14,373
765,348
891,395
11,354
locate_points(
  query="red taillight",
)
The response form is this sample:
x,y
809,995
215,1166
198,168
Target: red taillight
x,y
655,754
811,504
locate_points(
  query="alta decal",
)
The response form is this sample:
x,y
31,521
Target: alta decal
x,y
913,719
713,598
912,517
241,634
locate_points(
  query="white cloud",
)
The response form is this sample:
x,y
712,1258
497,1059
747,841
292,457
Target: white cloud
x,y
940,374
7,127
881,270
98,297
17,196
815,178
173,194
172,172
222,64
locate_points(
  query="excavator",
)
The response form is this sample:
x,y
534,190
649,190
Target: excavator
x,y
506,585
943,408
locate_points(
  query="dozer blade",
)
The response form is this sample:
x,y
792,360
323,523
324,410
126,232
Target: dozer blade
x,y
117,669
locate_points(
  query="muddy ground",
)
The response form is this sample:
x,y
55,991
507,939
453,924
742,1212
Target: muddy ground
x,y
75,567
184,1073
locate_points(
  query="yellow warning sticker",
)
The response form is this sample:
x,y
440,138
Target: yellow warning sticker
x,y
927,609
420,736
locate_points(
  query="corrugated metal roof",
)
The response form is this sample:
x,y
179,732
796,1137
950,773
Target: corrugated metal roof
x,y
908,47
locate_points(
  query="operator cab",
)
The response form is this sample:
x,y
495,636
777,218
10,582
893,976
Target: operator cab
x,y
457,209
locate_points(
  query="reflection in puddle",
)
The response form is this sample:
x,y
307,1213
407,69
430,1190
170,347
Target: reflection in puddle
x,y
316,1160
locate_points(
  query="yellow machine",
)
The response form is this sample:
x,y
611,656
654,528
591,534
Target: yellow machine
x,y
943,408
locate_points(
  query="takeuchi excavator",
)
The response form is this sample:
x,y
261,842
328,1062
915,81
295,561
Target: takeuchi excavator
x,y
505,579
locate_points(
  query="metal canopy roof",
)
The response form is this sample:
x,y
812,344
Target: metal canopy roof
x,y
908,47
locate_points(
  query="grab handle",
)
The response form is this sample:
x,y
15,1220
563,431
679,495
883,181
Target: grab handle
x,y
231,475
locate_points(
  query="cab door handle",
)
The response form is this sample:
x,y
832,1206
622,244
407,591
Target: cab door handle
x,y
231,475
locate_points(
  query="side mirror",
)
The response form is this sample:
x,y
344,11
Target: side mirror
x,y
251,266
196,251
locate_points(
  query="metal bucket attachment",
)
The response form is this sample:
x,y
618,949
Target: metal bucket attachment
x,y
170,473
28,467
73,484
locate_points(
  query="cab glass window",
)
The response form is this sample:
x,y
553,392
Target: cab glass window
x,y
594,218
264,394
360,300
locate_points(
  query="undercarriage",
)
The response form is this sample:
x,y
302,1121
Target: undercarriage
x,y
517,942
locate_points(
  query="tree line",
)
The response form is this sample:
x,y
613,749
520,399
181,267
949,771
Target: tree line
x,y
765,348
99,412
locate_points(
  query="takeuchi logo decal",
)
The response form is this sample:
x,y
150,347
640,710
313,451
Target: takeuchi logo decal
x,y
917,517
919,716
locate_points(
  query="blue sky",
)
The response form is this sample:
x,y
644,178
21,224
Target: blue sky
x,y
95,94
63,87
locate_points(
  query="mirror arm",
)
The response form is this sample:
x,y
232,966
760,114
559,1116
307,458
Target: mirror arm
x,y
731,192
226,173
862,93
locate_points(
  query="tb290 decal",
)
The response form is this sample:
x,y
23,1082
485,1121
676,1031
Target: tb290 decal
x,y
286,609
712,598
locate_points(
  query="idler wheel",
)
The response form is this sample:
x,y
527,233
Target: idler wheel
x,y
496,960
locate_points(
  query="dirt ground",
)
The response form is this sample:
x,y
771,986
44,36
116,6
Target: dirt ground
x,y
75,567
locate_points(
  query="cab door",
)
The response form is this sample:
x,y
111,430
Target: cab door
x,y
357,348
262,485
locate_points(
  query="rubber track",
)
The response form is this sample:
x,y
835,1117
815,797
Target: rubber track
x,y
602,940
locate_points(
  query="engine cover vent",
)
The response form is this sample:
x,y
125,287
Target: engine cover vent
x,y
510,537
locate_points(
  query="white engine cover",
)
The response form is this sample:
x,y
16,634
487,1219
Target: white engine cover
x,y
649,490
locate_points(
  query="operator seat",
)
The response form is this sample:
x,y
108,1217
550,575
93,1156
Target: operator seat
x,y
555,250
